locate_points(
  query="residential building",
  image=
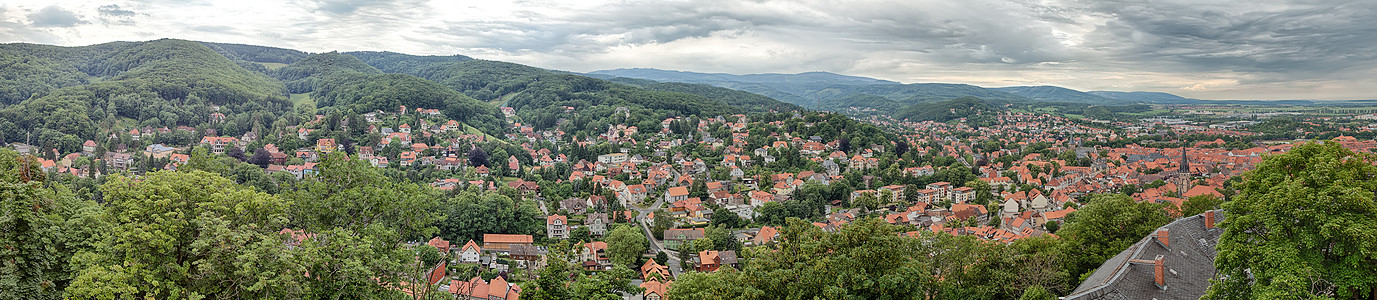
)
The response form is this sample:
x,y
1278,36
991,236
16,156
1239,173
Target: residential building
x,y
504,242
557,227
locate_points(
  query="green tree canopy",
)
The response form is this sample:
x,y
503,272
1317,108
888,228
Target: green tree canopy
x,y
625,244
1108,224
1301,227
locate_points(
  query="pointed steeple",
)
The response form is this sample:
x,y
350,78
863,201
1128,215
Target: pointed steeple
x,y
1185,164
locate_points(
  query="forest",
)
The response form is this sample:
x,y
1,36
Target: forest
x,y
57,97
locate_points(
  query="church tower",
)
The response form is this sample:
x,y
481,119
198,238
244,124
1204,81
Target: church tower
x,y
1183,175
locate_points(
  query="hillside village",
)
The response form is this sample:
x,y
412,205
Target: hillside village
x,y
1018,177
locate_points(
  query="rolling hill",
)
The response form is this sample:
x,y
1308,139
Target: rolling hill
x,y
63,96
828,91
1045,93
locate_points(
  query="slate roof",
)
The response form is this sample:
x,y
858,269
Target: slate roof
x,y
1189,265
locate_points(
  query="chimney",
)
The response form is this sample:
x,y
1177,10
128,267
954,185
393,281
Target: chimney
x,y
1209,220
1163,238
1159,270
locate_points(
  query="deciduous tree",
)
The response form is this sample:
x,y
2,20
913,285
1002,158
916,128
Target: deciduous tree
x,y
1301,227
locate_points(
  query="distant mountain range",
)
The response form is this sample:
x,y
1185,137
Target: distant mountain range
x,y
828,91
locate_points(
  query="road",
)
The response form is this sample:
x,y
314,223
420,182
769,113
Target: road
x,y
656,245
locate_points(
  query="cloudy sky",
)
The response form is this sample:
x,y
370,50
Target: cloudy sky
x,y
1209,49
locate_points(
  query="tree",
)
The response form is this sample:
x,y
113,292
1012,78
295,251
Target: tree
x,y
725,217
478,157
356,221
581,234
43,230
661,258
261,157
429,255
236,153
606,285
661,222
193,234
552,281
1052,226
1199,204
1108,224
625,244
1037,293
722,284
1301,227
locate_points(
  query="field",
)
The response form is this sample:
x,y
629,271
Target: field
x,y
299,100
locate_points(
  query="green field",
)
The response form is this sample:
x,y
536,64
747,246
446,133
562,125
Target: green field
x,y
299,100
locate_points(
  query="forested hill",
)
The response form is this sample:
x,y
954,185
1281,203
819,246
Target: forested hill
x,y
1060,94
542,97
392,62
59,97
258,54
362,92
745,100
965,107
64,95
302,76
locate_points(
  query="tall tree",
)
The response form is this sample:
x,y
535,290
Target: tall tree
x,y
355,221
1108,224
625,244
1301,227
185,235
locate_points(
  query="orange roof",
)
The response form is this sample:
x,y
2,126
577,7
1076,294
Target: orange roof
x,y
508,238
678,191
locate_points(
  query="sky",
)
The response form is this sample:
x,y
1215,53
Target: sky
x,y
1205,49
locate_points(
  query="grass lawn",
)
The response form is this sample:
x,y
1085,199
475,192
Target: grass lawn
x,y
299,100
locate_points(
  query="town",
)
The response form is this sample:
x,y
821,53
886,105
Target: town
x,y
700,194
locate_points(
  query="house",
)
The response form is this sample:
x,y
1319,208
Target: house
x,y
677,237
652,271
709,261
119,161
597,223
944,190
765,235
896,190
477,289
158,151
574,205
676,194
1174,262
439,244
614,158
656,289
217,144
470,253
504,242
963,194
557,227
89,147
326,145
594,256
636,193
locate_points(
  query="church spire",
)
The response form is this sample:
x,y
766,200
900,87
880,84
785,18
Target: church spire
x,y
1185,164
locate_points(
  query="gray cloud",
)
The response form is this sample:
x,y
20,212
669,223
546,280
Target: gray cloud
x,y
345,7
1299,39
113,14
1204,48
53,16
114,11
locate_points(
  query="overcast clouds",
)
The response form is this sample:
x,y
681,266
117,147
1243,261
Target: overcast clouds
x,y
1257,49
